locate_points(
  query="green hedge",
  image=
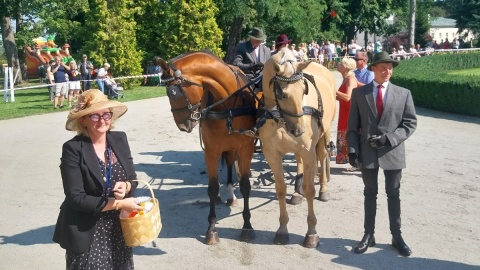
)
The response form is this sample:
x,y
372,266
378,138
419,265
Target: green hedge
x,y
433,88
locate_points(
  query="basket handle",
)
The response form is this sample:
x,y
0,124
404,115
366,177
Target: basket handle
x,y
148,185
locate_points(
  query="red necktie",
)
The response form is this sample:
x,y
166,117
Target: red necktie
x,y
379,102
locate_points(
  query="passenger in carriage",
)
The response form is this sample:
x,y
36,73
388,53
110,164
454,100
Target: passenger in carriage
x,y
281,41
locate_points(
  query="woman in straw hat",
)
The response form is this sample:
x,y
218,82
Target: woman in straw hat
x,y
96,166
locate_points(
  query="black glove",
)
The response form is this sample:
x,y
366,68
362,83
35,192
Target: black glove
x,y
354,160
378,141
257,66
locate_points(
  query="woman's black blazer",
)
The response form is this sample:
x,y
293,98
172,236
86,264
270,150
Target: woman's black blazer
x,y
83,186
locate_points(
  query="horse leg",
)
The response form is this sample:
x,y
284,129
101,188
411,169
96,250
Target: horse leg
x,y
244,163
311,238
275,162
322,156
297,196
211,160
231,198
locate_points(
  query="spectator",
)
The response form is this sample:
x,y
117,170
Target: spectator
x,y
73,83
50,79
382,117
101,75
331,51
413,52
150,70
86,68
378,47
402,54
96,168
352,48
362,74
446,44
60,76
370,50
345,67
455,44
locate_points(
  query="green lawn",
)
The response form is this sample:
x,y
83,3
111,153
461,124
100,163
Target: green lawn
x,y
37,101
468,72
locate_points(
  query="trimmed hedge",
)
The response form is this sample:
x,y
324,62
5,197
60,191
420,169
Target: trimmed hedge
x,y
433,88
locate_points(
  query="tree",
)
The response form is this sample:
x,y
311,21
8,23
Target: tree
x,y
411,23
466,13
7,11
189,26
111,27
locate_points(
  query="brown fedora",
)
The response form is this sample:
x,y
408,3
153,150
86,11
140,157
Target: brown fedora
x,y
282,39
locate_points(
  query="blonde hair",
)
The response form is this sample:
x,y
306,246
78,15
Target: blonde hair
x,y
350,64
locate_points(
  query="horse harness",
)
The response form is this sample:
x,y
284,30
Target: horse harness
x,y
277,113
176,90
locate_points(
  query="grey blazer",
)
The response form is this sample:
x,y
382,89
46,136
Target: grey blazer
x,y
398,122
245,56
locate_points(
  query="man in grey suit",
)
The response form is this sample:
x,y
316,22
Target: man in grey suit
x,y
382,116
252,54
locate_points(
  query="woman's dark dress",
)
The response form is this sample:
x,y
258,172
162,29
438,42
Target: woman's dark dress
x,y
108,250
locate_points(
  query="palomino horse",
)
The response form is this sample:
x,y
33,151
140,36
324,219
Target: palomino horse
x,y
201,87
299,108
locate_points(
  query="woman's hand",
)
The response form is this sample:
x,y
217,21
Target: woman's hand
x,y
129,205
120,190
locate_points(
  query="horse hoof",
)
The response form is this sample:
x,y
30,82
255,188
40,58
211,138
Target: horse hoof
x,y
212,238
232,202
324,196
296,199
247,235
281,239
311,241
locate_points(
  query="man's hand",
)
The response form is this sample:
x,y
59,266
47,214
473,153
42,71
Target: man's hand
x,y
354,160
257,66
378,141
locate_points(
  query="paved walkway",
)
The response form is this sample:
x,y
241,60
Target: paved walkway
x,y
440,197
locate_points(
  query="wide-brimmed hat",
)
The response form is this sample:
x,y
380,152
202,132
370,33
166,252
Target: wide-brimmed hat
x,y
91,101
282,39
257,33
382,57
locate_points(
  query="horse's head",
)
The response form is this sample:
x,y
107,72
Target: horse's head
x,y
284,87
184,95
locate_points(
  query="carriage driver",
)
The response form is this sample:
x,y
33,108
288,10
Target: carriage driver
x,y
252,54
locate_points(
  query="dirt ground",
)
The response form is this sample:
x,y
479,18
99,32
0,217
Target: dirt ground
x,y
440,200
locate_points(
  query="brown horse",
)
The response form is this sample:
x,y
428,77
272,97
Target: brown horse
x,y
299,108
201,87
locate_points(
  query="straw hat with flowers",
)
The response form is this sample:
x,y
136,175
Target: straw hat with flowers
x,y
91,101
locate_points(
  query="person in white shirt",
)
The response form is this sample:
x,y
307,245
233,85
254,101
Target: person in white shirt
x,y
402,53
101,76
352,48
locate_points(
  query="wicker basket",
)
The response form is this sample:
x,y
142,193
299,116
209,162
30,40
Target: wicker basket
x,y
142,229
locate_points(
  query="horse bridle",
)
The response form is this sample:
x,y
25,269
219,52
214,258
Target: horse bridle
x,y
176,90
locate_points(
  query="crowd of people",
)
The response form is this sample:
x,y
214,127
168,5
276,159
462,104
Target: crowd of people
x,y
68,80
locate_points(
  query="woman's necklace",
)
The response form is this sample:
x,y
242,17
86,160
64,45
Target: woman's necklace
x,y
107,169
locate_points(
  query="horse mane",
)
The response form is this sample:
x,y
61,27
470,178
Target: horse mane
x,y
205,51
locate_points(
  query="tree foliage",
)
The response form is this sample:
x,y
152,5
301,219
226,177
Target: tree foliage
x,y
466,13
111,36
